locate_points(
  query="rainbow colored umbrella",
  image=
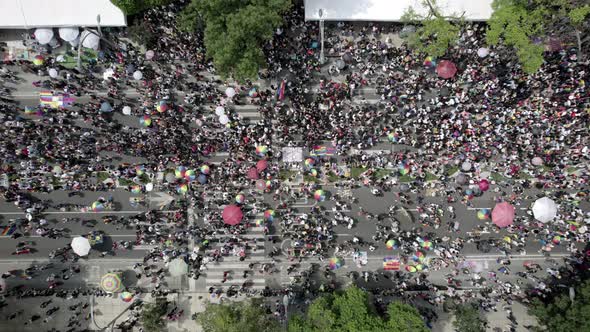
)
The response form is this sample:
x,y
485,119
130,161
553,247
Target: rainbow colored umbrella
x,y
240,198
162,106
145,121
111,283
136,189
269,215
319,195
390,244
469,194
190,175
97,206
411,268
126,297
404,168
261,150
180,172
419,267
314,172
309,162
259,222
335,263
426,244
418,256
205,169
483,214
556,239
139,170
429,61
253,93
392,137
182,188
38,60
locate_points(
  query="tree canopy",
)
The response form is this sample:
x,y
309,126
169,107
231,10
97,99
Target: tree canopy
x,y
350,311
467,319
235,31
132,7
151,315
560,314
237,317
436,32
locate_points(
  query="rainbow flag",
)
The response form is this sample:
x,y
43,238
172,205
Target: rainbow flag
x,y
8,230
55,101
322,150
281,90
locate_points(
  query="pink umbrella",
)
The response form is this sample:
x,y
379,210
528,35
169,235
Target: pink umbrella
x,y
252,173
484,184
261,165
232,215
446,69
503,214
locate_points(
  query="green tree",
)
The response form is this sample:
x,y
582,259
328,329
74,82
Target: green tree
x,y
132,7
189,19
235,32
151,315
403,317
141,34
560,314
436,32
237,317
467,319
350,311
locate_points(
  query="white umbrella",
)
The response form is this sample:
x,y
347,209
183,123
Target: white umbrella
x,y
219,111
149,54
137,75
127,110
544,209
52,72
108,74
69,34
230,92
149,187
177,267
223,119
466,166
90,39
81,246
75,42
483,52
43,36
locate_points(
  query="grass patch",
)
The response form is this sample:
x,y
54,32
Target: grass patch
x,y
71,61
571,169
497,177
547,168
431,177
452,170
523,175
381,173
406,178
102,176
125,182
309,178
286,174
355,172
333,177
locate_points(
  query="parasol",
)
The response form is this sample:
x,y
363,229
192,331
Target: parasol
x,y
319,195
190,175
38,60
261,185
97,206
484,184
240,198
335,263
105,107
390,244
205,169
126,297
503,214
177,267
149,54
137,75
182,188
537,161
69,34
80,246
180,172
145,121
230,92
232,215
219,111
127,110
43,36
466,166
111,283
202,179
544,209
483,214
52,72
90,39
162,106
446,69
261,165
461,179
269,215
252,174
482,52
261,150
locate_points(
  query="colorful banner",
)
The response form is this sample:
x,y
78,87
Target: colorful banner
x,y
281,90
8,230
322,150
391,264
46,98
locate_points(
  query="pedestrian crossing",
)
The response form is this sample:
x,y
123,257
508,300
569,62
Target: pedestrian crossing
x,y
254,253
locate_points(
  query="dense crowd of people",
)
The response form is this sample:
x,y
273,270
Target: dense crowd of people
x,y
490,118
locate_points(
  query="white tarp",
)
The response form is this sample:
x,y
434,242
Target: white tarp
x,y
392,10
292,154
16,14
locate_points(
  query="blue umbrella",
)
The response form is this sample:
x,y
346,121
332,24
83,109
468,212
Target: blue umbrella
x,y
105,107
202,179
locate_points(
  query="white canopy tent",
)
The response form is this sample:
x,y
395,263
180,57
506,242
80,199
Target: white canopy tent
x,y
18,14
80,246
390,10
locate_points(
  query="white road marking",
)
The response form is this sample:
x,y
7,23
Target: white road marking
x,y
88,212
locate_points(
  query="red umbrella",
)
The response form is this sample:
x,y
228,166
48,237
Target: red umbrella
x,y
252,173
232,215
446,69
503,214
484,184
261,185
261,165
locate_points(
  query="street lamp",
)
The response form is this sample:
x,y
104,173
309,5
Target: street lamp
x,y
321,15
79,64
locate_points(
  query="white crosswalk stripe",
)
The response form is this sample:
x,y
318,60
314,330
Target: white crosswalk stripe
x,y
255,253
